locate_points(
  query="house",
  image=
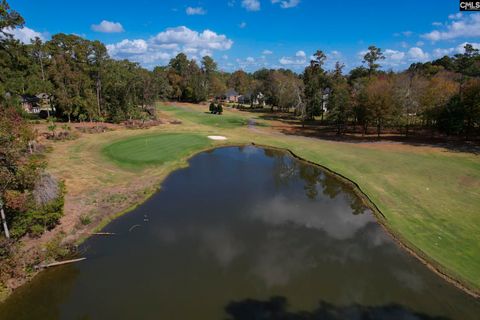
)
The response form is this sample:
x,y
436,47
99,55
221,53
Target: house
x,y
37,104
45,103
231,96
259,99
251,98
245,98
30,104
325,96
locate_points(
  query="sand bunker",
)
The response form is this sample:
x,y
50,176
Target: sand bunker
x,y
217,137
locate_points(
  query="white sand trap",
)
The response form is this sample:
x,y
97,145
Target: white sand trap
x,y
217,137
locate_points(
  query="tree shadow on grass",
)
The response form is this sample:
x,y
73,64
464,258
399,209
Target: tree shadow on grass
x,y
320,130
276,309
454,144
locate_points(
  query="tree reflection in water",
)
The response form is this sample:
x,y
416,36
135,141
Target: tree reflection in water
x,y
315,179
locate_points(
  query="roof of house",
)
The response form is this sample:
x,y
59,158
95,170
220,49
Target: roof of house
x,y
43,95
231,92
29,98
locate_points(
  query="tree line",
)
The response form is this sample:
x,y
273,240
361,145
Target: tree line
x,y
438,96
84,83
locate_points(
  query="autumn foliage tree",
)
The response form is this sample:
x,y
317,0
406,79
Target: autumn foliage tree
x,y
381,105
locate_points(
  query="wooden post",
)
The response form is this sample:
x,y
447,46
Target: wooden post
x,y
4,221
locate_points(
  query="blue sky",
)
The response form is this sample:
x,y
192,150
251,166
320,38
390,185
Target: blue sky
x,y
251,34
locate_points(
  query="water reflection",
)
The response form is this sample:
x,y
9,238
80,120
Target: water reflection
x,y
316,181
337,221
243,224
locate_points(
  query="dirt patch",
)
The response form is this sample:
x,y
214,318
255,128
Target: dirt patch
x,y
469,182
141,124
93,129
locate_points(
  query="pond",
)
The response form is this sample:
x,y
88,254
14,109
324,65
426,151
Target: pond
x,y
244,233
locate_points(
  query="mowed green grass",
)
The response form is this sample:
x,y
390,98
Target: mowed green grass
x,y
223,121
157,149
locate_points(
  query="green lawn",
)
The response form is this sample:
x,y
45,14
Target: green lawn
x,y
204,118
154,149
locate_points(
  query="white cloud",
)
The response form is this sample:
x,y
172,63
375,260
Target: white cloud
x,y
285,4
420,43
248,63
192,39
393,58
437,24
25,34
455,16
461,27
251,5
195,11
417,54
242,25
362,53
166,44
461,47
440,52
267,52
394,55
108,27
398,58
404,33
299,59
300,54
128,47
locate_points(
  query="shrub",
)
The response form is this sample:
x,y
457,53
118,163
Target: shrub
x,y
82,117
212,108
36,230
85,220
55,249
39,217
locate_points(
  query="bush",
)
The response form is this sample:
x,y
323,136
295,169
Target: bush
x,y
212,108
85,220
219,108
39,217
451,118
36,230
55,249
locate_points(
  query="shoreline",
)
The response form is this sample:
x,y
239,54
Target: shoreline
x,y
381,219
